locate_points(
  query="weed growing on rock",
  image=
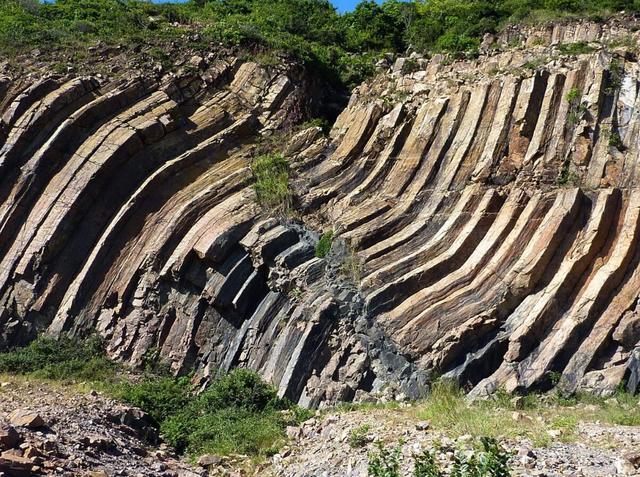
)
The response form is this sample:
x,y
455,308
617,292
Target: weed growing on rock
x,y
359,436
425,465
324,244
615,77
577,109
384,461
271,175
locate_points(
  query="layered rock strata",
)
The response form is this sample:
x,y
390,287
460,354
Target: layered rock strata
x,y
486,219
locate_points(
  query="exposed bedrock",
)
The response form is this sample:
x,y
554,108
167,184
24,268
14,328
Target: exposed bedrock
x,y
486,217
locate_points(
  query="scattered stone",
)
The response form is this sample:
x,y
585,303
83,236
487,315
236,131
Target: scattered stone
x,y
518,402
9,437
633,458
26,418
293,432
423,426
208,460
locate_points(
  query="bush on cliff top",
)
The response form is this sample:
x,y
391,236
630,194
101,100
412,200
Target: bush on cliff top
x,y
340,46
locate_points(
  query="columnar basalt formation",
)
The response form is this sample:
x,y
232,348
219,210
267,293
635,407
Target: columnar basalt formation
x,y
487,212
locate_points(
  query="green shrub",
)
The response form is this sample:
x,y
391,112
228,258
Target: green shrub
x,y
385,462
271,176
226,431
65,358
489,460
238,413
324,244
160,397
341,47
578,48
425,465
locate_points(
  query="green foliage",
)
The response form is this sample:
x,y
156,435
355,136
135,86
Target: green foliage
x,y
271,175
615,76
341,47
60,359
573,96
323,246
616,141
577,48
160,397
490,460
385,462
238,413
577,109
358,437
566,177
425,465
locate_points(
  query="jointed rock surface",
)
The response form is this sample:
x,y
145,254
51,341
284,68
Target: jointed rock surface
x,y
488,211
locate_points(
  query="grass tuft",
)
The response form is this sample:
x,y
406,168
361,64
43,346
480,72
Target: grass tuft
x,y
271,175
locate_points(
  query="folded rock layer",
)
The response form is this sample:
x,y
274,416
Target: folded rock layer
x,y
486,217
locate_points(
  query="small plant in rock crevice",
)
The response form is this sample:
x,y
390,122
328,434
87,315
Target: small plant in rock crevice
x,y
615,77
323,246
425,465
385,462
359,436
271,175
352,266
577,109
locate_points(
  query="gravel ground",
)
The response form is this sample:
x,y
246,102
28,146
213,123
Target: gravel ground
x,y
321,448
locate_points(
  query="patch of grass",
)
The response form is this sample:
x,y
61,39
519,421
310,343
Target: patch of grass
x,y
271,176
448,410
359,436
352,266
323,246
577,48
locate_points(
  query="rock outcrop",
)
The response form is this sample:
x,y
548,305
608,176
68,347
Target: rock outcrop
x,y
486,219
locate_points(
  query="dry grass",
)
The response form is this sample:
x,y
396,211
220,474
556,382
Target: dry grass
x,y
532,416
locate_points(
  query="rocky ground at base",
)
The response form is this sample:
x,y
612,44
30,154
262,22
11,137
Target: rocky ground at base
x,y
53,430
321,447
49,429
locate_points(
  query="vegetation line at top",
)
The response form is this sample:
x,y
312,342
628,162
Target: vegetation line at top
x,y
343,47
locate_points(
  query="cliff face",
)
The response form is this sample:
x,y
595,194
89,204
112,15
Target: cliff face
x,y
487,213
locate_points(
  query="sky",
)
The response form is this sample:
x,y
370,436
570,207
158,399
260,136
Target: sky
x,y
341,5
345,5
